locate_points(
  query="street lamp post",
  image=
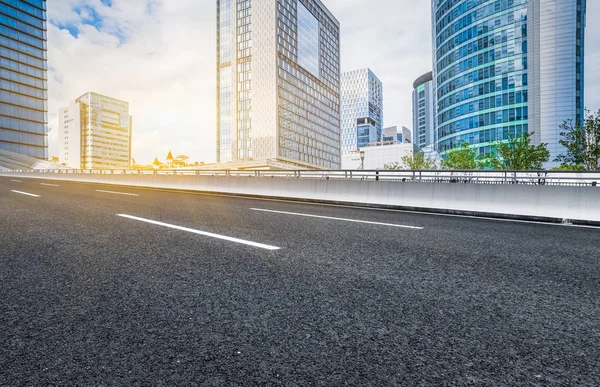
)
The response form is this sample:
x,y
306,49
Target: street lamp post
x,y
362,159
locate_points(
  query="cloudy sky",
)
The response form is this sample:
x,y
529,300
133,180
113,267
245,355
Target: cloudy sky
x,y
159,55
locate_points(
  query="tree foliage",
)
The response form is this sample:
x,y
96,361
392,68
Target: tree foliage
x,y
518,154
582,142
569,167
418,163
461,158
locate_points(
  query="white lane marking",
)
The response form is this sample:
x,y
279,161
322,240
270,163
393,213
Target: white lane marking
x,y
117,193
25,193
50,185
16,181
341,219
371,208
204,233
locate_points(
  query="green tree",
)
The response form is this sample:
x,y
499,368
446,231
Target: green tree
x,y
569,167
417,163
582,142
461,158
518,154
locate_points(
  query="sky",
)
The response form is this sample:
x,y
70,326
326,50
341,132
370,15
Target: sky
x,y
159,55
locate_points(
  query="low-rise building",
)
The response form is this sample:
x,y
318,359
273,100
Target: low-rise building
x,y
376,155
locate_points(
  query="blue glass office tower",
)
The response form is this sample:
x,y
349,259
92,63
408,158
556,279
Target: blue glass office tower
x,y
362,109
23,78
506,67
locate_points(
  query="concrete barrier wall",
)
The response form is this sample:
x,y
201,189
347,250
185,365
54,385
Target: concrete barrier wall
x,y
555,203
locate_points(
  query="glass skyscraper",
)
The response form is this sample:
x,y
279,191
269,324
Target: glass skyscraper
x,y
423,111
506,67
95,133
278,83
362,109
23,78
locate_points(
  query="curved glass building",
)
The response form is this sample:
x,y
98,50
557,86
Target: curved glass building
x,y
506,67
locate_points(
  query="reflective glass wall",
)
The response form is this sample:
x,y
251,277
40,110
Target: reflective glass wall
x,y
506,67
308,61
106,129
278,82
225,88
362,98
480,71
23,78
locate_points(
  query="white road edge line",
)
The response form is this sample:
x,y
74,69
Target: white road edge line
x,y
25,193
117,193
16,181
341,219
50,185
204,233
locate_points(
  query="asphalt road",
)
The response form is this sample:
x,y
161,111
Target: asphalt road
x,y
149,288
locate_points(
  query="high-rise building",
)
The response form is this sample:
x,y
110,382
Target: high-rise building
x,y
362,109
23,78
503,68
278,83
423,111
95,133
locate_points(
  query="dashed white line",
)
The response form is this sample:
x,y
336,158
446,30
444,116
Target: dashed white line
x,y
117,193
50,185
204,233
340,219
16,181
25,193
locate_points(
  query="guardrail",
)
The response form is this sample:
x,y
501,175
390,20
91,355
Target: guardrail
x,y
556,178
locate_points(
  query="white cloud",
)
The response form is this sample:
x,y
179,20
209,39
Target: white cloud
x,y
159,55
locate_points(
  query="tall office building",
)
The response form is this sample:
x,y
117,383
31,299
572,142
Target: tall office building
x,y
362,109
507,67
23,78
278,83
95,133
423,111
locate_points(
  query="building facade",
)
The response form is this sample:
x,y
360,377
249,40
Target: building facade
x,y
366,132
362,109
278,83
376,155
423,111
403,136
23,78
503,68
95,133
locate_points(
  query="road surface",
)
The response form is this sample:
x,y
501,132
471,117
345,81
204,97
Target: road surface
x,y
104,285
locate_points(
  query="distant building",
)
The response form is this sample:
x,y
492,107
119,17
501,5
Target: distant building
x,y
407,136
24,74
278,83
362,109
423,110
392,133
366,132
95,133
